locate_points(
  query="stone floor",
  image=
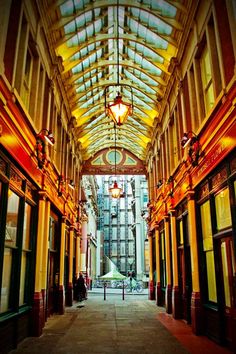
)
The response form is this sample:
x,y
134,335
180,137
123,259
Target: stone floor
x,y
116,326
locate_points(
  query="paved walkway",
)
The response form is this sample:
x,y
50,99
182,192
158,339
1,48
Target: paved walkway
x,y
115,326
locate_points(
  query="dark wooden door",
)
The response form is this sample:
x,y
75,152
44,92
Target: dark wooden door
x,y
185,282
51,293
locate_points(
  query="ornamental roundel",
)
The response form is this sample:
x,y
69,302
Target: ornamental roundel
x,y
113,156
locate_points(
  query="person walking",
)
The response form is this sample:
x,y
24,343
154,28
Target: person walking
x,y
81,289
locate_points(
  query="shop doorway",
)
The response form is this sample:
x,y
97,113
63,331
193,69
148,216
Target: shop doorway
x,y
185,270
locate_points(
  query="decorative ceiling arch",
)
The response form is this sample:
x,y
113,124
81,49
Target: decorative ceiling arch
x,y
103,163
86,36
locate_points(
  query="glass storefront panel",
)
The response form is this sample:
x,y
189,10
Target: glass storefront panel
x,y
26,229
6,280
206,226
22,278
12,216
211,278
222,204
208,250
225,274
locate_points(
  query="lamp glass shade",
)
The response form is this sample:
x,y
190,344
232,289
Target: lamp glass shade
x,y
185,140
71,184
115,191
119,110
49,139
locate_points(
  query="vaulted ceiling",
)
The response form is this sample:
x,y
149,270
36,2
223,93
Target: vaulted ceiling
x,y
106,43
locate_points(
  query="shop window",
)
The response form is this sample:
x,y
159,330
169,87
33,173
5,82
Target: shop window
x,y
225,274
222,205
52,234
26,250
6,280
163,261
12,216
206,76
10,246
208,250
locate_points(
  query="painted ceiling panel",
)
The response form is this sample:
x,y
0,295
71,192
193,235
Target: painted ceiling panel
x,y
111,46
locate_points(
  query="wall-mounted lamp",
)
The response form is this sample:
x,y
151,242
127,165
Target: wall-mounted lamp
x,y
43,136
191,139
61,185
47,136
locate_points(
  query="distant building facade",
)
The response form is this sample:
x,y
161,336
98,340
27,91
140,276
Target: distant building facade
x,y
120,220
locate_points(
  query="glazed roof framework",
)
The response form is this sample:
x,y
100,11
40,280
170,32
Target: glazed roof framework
x,y
89,40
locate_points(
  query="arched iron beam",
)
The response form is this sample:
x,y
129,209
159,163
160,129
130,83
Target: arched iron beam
x,y
103,83
105,63
68,52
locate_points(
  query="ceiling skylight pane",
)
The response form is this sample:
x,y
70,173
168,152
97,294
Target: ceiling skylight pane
x,y
165,8
161,26
148,52
144,63
145,77
67,8
139,82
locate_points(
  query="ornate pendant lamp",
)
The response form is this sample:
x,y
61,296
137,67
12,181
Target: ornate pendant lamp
x,y
115,190
119,110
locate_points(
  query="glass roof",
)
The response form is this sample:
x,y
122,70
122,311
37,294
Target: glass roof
x,y
112,45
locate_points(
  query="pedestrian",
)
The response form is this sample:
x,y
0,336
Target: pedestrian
x,y
81,290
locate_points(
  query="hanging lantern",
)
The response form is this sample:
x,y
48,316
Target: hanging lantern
x,y
119,110
115,191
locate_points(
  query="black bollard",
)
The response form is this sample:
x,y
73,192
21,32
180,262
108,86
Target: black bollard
x,y
104,291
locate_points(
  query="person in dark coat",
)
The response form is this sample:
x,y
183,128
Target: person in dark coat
x,y
81,290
